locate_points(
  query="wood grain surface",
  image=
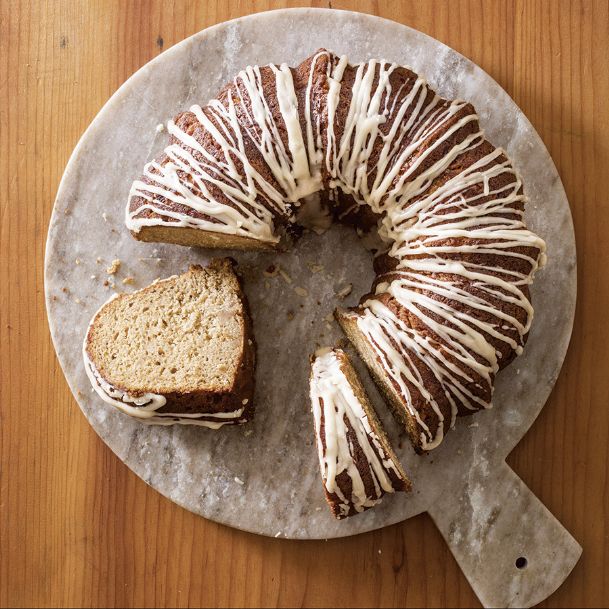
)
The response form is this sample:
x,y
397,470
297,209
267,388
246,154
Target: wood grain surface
x,y
77,528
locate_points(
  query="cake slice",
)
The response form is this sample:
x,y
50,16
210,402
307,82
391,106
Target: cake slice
x,y
416,401
358,465
178,351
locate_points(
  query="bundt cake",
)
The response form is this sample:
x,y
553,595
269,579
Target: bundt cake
x,y
378,147
358,465
177,351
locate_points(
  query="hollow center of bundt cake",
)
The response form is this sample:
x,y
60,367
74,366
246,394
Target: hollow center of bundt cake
x,y
181,334
293,294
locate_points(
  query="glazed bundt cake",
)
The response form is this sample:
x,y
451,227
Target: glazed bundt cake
x,y
358,465
177,351
450,305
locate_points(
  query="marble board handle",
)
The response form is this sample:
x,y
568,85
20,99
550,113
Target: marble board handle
x,y
512,550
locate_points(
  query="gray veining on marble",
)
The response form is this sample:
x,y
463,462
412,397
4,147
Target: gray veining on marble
x,y
263,477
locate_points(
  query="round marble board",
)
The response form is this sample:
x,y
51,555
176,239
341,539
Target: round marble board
x,y
264,476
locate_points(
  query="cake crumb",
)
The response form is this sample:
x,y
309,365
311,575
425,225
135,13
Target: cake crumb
x,y
271,271
77,300
290,315
248,432
77,261
114,266
93,276
160,128
98,260
105,216
285,276
380,551
344,292
249,342
245,401
329,318
301,291
277,534
128,281
315,268
106,283
239,481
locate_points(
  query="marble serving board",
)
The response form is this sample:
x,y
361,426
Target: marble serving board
x,y
263,477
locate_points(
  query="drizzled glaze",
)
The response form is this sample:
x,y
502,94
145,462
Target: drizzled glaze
x,y
338,413
464,254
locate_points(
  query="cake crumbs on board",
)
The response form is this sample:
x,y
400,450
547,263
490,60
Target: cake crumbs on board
x,y
345,291
271,271
115,265
315,268
285,276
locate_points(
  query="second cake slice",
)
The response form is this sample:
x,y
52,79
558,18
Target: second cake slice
x,y
358,465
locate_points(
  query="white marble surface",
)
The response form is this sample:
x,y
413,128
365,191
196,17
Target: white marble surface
x,y
264,477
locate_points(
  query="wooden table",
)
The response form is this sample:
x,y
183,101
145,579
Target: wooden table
x,y
77,527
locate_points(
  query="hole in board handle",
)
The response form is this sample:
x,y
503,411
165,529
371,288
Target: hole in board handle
x,y
521,562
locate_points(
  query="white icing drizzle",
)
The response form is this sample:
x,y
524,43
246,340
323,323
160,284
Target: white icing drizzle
x,y
146,406
464,254
333,398
251,201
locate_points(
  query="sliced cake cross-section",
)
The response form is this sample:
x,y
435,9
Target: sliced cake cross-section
x,y
358,465
178,351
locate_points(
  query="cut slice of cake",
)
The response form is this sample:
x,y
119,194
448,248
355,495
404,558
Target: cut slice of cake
x,y
358,465
178,351
419,405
